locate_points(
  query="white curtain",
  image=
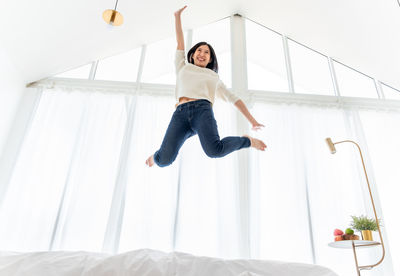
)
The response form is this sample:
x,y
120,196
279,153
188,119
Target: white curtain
x,y
60,189
80,181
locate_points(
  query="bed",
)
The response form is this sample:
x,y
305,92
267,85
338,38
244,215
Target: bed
x,y
145,262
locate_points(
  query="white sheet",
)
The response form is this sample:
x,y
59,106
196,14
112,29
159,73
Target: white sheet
x,y
145,262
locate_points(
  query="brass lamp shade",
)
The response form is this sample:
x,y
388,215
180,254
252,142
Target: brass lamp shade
x,y
330,145
113,17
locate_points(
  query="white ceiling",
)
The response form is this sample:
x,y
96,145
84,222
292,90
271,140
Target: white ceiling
x,y
47,37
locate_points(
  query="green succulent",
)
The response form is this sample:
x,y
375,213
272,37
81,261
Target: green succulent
x,y
364,223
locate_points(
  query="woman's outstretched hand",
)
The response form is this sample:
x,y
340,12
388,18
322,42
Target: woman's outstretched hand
x,y
257,126
178,12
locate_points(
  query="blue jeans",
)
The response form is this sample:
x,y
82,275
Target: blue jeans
x,y
196,117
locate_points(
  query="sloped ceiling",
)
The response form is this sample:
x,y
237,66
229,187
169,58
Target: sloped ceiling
x,y
47,37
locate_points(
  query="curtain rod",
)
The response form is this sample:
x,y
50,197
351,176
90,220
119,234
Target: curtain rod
x,y
252,96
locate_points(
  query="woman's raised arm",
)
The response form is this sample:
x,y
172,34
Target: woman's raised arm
x,y
243,108
178,29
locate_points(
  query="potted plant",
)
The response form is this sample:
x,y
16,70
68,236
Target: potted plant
x,y
364,225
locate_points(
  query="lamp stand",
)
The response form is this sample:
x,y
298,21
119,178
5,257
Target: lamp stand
x,y
364,267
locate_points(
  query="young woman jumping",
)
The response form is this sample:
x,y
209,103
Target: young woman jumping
x,y
197,83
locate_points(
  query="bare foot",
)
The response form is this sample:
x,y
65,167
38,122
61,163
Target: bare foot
x,y
150,161
256,143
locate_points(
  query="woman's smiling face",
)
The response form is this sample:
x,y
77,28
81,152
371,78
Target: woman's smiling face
x,y
202,56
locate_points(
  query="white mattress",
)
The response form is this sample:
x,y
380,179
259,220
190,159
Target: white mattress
x,y
145,262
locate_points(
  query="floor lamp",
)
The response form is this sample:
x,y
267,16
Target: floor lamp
x,y
332,148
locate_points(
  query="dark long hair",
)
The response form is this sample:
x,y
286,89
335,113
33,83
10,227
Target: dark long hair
x,y
213,65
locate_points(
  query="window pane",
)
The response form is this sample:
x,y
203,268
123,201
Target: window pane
x,y
354,84
123,67
159,62
390,93
265,59
311,74
82,72
218,36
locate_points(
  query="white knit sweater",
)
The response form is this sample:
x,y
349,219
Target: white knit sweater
x,y
196,82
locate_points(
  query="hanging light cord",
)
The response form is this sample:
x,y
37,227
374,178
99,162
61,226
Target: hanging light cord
x,y
116,5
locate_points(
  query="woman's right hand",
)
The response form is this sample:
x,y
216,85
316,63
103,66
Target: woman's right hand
x,y
257,126
178,12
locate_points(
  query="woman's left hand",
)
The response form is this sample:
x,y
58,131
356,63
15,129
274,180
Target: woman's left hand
x,y
257,126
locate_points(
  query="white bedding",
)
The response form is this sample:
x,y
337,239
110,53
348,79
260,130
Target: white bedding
x,y
145,262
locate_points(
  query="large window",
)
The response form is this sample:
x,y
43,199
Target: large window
x,y
159,62
218,36
354,84
266,64
123,67
265,59
311,74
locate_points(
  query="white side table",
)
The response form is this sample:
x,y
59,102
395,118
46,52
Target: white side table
x,y
347,244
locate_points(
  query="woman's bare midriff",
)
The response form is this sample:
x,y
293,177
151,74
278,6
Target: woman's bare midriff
x,y
183,100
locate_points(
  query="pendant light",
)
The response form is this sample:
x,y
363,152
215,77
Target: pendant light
x,y
112,17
